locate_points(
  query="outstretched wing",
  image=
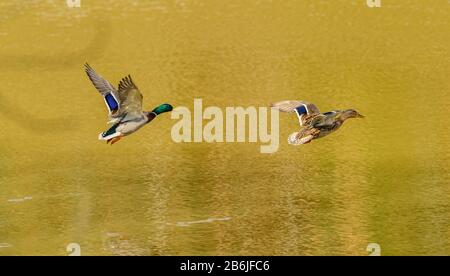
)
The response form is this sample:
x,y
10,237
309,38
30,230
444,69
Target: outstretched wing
x,y
106,89
130,97
299,107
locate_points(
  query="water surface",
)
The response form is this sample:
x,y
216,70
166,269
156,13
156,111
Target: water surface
x,y
384,179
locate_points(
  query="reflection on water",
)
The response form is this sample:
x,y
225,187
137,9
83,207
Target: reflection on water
x,y
187,223
4,245
383,179
20,199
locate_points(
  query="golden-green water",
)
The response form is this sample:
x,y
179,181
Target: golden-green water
x,y
384,179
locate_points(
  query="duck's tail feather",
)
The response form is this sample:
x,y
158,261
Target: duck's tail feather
x,y
102,136
110,133
294,139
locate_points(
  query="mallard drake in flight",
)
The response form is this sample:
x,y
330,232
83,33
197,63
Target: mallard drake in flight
x,y
124,106
313,123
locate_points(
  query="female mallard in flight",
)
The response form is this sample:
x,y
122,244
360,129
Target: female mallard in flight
x,y
313,123
124,106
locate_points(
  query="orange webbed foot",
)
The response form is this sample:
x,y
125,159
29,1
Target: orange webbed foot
x,y
114,140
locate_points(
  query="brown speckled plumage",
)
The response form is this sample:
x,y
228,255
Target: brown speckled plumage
x,y
313,124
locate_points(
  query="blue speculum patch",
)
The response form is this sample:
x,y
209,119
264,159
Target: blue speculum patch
x,y
111,101
301,110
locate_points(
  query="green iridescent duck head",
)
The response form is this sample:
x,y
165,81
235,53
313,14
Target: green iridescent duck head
x,y
162,108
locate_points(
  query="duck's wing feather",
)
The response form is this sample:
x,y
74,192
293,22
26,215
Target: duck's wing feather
x,y
106,89
301,108
130,97
296,106
305,135
317,120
